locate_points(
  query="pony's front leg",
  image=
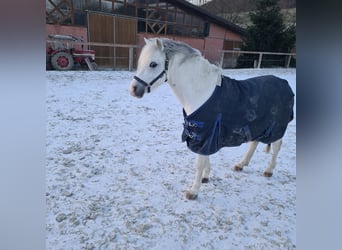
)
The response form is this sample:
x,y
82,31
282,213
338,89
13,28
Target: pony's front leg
x,y
202,175
248,156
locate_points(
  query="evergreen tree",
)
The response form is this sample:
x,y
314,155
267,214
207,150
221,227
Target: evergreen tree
x,y
268,32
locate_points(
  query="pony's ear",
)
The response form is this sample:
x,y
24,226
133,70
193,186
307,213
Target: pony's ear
x,y
159,44
146,40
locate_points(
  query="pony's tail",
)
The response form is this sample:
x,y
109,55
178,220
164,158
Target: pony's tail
x,y
268,148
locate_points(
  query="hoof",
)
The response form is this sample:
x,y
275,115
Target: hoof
x,y
237,168
266,174
190,196
205,180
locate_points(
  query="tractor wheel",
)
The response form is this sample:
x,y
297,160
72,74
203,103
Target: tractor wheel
x,y
62,61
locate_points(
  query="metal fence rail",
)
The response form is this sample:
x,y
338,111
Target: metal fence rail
x,y
228,58
232,60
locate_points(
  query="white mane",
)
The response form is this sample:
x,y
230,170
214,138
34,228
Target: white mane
x,y
172,48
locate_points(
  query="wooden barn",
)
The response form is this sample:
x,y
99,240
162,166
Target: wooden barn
x,y
104,25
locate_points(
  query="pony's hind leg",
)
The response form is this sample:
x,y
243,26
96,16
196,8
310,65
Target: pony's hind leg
x,y
275,150
247,158
206,172
202,174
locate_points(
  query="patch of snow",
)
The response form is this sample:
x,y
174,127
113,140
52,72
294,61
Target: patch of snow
x,y
117,172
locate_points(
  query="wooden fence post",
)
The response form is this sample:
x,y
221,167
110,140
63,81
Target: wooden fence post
x,y
221,60
288,61
130,66
259,61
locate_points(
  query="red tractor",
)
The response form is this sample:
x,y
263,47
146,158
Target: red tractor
x,y
61,54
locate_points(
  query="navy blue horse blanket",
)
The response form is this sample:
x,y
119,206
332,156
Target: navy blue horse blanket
x,y
255,109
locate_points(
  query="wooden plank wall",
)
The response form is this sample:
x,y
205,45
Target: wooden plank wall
x,y
125,33
101,29
113,30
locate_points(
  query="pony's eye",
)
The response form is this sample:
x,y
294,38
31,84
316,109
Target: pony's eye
x,y
153,64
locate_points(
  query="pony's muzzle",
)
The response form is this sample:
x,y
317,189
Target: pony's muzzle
x,y
136,89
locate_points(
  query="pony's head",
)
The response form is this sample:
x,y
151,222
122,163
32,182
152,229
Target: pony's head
x,y
152,68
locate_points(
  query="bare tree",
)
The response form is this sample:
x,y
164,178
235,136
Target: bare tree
x,y
229,9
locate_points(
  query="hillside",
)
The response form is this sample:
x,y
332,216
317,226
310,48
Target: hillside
x,y
242,19
237,11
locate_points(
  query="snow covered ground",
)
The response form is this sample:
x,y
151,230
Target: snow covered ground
x,y
117,172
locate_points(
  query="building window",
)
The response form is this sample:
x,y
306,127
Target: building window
x,y
59,11
161,17
154,16
232,45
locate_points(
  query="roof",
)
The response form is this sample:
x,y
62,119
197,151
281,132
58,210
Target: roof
x,y
64,37
210,16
